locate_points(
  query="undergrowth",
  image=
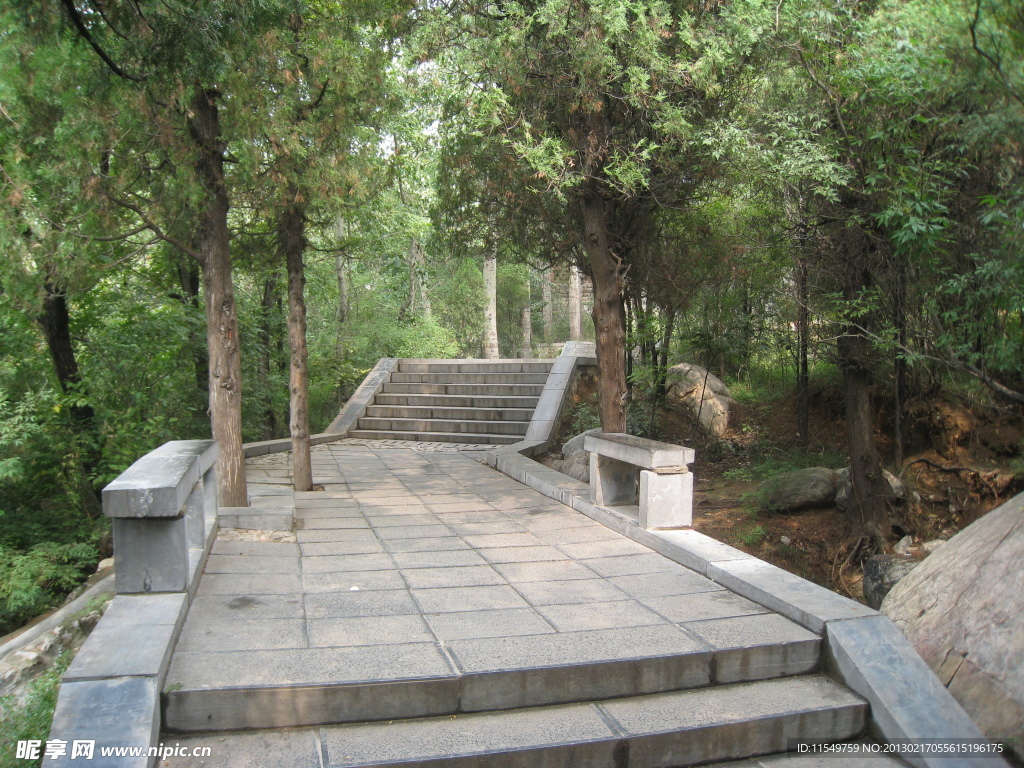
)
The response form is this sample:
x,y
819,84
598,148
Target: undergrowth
x,y
29,717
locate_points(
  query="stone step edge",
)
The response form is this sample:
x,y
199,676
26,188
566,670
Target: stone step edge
x,y
433,437
676,728
199,707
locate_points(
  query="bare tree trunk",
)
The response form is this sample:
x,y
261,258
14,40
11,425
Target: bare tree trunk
x,y
417,288
609,315
291,240
549,315
526,329
341,269
491,302
803,378
576,302
267,302
666,341
221,312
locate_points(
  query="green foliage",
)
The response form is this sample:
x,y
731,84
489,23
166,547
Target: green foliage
x,y
29,717
771,461
32,581
754,536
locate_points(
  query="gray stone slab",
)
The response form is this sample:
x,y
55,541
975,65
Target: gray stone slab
x,y
638,451
503,540
150,554
464,576
368,630
438,559
337,563
354,581
334,605
442,544
558,570
608,615
158,484
617,547
569,591
522,554
627,565
308,536
267,548
390,521
245,607
664,584
757,647
577,666
466,625
553,737
908,701
323,548
691,548
146,609
468,599
577,534
249,584
323,523
118,648
725,722
495,526
123,711
870,759
241,635
788,594
413,532
718,604
257,749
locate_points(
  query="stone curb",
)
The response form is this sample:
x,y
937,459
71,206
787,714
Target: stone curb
x,y
363,396
863,649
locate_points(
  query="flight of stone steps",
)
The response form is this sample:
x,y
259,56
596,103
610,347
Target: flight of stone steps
x,y
459,401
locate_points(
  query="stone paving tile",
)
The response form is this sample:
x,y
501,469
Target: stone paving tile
x,y
522,554
440,544
266,749
464,576
327,523
250,564
503,540
574,591
578,534
437,559
272,549
493,526
218,607
368,630
744,631
487,516
462,506
242,635
543,571
341,548
333,605
468,599
311,536
335,563
662,584
345,581
620,613
249,584
626,565
466,625
413,532
719,604
605,548
389,521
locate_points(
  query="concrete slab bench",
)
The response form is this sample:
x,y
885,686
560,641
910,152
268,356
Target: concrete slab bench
x,y
626,470
163,509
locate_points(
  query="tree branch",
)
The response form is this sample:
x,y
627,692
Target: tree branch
x,y
76,19
153,227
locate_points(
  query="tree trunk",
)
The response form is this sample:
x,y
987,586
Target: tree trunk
x,y
666,341
576,302
188,276
341,269
221,313
526,330
417,289
609,315
267,302
803,378
491,303
291,241
549,315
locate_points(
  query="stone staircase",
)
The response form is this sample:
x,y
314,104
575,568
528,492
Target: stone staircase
x,y
460,401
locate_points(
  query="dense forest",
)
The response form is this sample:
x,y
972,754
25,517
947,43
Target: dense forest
x,y
218,216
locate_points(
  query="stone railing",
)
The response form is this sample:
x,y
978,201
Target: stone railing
x,y
163,509
665,493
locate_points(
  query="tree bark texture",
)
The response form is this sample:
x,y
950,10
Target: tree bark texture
x,y
526,330
549,315
491,303
609,315
221,313
267,302
803,377
291,241
576,302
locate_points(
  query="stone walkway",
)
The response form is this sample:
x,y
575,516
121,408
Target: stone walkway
x,y
473,591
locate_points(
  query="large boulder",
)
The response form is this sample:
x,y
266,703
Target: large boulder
x,y
578,467
882,573
574,445
706,396
844,487
963,610
809,488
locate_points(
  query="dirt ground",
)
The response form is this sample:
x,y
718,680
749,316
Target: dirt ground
x,y
961,463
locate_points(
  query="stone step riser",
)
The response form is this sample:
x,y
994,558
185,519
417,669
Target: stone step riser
x,y
493,685
474,367
455,401
469,378
434,437
470,414
440,425
490,390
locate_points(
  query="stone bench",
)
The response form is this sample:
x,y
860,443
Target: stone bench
x,y
665,493
164,511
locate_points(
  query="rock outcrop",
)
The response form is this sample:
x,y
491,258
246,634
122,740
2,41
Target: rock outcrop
x,y
844,487
963,610
810,488
703,393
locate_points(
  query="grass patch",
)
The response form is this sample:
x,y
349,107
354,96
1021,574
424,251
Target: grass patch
x,y
754,536
770,462
30,717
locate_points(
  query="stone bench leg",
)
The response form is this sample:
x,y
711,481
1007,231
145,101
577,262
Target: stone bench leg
x,y
150,554
666,501
612,482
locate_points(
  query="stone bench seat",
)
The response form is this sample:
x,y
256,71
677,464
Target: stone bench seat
x,y
626,470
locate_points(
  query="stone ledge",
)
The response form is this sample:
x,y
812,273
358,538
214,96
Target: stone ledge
x,y
158,484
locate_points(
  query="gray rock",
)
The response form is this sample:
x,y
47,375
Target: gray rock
x,y
687,376
844,487
881,573
809,488
703,393
578,467
963,610
574,446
